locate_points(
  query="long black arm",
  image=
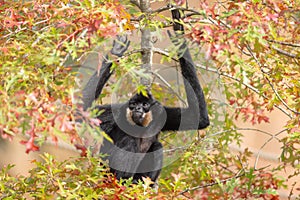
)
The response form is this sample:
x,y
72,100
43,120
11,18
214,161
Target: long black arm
x,y
195,116
94,86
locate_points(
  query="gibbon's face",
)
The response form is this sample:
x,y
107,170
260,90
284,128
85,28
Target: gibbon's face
x,y
138,111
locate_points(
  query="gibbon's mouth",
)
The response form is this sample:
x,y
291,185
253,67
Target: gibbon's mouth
x,y
138,118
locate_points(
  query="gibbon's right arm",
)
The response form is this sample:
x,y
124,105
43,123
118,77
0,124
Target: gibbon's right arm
x,y
94,86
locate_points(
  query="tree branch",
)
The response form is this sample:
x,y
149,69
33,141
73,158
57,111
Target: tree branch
x,y
146,44
164,53
136,3
176,149
169,87
238,175
147,54
283,52
284,43
145,6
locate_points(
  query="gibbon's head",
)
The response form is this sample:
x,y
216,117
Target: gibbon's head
x,y
139,110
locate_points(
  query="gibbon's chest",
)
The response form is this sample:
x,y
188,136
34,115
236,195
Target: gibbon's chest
x,y
141,142
144,144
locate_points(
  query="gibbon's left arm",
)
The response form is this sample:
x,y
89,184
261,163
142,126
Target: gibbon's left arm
x,y
94,86
195,116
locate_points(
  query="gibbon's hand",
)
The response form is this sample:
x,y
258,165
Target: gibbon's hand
x,y
120,45
178,40
173,38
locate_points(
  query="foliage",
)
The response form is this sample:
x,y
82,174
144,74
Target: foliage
x,y
82,178
39,39
87,178
254,48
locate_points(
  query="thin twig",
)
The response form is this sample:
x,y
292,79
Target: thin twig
x,y
69,37
169,87
283,52
238,175
243,129
285,43
173,6
177,148
257,130
263,146
279,97
164,53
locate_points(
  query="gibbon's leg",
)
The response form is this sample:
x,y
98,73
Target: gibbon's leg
x,y
151,164
123,157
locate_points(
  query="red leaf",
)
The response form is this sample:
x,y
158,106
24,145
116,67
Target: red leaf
x,y
82,149
208,30
232,101
261,118
4,50
272,17
66,125
61,25
30,146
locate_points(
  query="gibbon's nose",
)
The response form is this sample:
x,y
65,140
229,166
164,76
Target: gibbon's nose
x,y
139,109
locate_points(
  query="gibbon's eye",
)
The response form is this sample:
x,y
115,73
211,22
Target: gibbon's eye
x,y
145,104
132,105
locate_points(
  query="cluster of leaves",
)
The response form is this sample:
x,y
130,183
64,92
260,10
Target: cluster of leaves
x,y
215,175
255,43
39,38
82,178
89,178
255,46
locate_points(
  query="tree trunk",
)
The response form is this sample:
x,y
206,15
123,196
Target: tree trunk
x,y
146,45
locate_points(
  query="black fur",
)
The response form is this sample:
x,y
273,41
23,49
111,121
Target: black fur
x,y
136,151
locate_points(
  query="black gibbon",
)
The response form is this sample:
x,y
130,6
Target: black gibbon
x,y
134,126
